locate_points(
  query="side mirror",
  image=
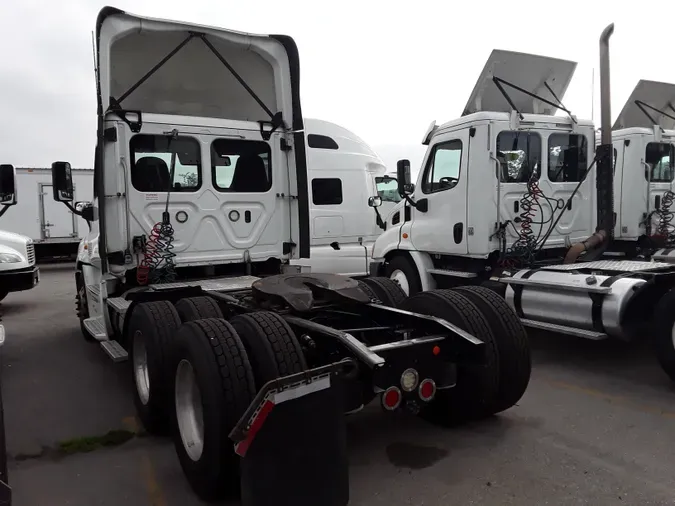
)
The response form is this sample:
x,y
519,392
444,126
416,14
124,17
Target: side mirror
x,y
403,177
62,182
7,185
374,201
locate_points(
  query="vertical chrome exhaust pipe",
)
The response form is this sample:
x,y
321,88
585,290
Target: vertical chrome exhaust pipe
x,y
605,170
605,88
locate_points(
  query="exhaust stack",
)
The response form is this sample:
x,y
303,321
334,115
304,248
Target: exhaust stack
x,y
605,176
595,245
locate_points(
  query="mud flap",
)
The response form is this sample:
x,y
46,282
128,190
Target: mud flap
x,y
5,494
292,441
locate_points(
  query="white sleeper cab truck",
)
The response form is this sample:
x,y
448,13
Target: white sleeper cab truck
x,y
578,292
343,172
502,184
643,140
18,270
189,273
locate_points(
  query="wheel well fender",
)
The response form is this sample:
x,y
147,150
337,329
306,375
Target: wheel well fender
x,y
422,262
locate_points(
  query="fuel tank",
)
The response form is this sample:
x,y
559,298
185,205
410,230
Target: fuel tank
x,y
581,301
664,255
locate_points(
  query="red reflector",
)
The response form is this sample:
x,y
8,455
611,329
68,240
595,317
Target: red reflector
x,y
427,389
391,398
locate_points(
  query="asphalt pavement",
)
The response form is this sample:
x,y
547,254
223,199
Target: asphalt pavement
x,y
594,428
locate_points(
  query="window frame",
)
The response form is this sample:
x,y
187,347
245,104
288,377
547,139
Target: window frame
x,y
214,167
200,166
527,133
342,196
431,160
580,176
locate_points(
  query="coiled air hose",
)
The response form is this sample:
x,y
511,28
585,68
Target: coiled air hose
x,y
665,230
523,251
157,265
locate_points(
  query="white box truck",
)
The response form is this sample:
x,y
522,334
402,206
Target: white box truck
x,y
54,229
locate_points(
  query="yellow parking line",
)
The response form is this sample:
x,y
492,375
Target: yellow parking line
x,y
615,399
131,424
155,493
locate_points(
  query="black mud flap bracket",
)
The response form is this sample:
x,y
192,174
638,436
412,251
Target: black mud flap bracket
x,y
292,438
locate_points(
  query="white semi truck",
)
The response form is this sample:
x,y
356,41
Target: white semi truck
x,y
7,198
511,197
18,269
199,282
643,138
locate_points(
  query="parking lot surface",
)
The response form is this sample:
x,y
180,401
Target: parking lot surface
x,y
595,427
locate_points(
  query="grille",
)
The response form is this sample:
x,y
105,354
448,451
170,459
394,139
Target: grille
x,y
30,253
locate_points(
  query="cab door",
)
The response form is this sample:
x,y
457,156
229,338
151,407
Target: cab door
x,y
442,188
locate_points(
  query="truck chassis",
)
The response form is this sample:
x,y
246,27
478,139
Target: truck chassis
x,y
201,351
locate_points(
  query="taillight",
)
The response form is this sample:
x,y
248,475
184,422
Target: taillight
x,y
427,390
391,398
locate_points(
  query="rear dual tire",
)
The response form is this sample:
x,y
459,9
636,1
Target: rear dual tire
x,y
214,385
151,335
663,340
486,389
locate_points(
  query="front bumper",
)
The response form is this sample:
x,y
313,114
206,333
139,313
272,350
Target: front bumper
x,y
20,279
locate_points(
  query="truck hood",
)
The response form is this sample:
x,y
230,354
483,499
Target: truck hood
x,y
11,242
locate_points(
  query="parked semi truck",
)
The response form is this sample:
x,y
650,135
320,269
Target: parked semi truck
x,y
215,351
643,138
490,209
7,198
18,269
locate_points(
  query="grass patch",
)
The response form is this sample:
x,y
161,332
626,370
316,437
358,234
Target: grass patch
x,y
91,443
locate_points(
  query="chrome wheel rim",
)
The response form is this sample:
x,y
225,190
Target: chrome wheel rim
x,y
141,376
189,412
400,277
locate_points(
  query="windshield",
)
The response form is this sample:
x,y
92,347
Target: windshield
x,y
387,189
519,154
660,157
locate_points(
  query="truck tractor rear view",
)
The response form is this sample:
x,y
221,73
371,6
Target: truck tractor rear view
x,y
233,350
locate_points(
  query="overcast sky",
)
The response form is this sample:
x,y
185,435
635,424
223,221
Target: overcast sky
x,y
383,69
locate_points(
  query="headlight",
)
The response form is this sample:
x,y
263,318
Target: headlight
x,y
9,258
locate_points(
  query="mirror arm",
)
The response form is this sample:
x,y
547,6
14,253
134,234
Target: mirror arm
x,y
4,210
72,209
378,219
410,201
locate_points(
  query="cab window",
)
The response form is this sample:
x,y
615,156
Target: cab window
x,y
241,166
660,157
387,189
519,155
151,163
567,158
443,168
